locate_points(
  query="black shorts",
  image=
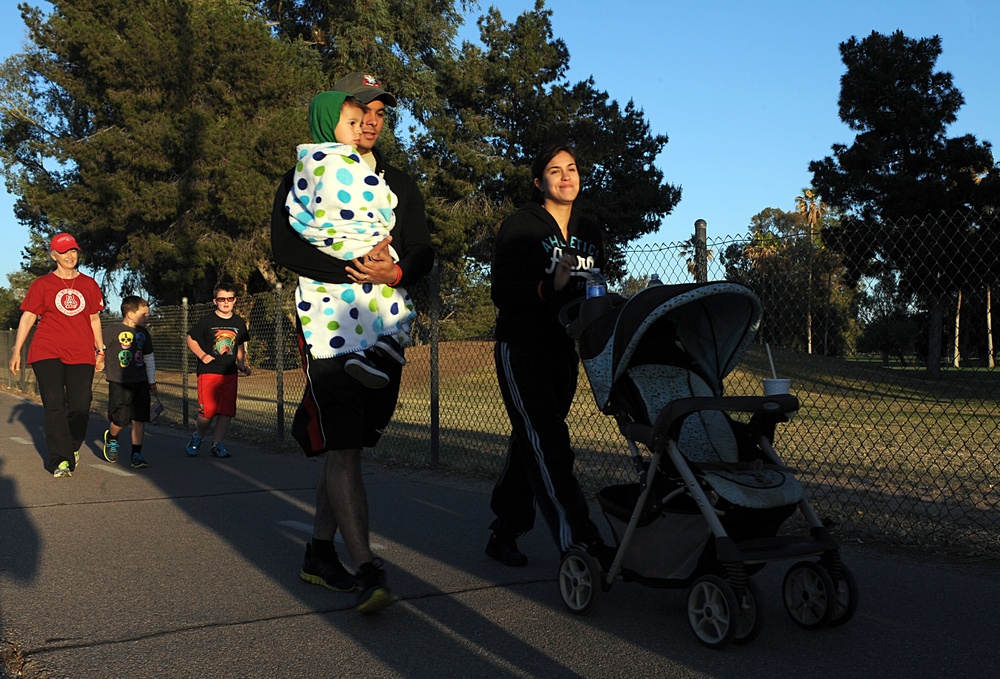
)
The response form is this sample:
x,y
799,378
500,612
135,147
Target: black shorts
x,y
337,412
128,402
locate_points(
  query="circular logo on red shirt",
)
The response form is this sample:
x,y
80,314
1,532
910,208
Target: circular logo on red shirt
x,y
70,302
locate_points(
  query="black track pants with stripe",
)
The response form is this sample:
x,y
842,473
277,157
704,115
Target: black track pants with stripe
x,y
538,388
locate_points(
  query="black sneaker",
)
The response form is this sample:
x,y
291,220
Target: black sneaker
x,y
110,447
327,572
361,368
390,348
503,548
374,595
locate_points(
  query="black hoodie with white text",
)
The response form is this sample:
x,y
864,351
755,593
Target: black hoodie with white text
x,y
527,249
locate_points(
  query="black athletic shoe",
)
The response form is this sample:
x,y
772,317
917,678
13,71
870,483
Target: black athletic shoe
x,y
374,594
327,572
361,368
504,549
390,348
110,447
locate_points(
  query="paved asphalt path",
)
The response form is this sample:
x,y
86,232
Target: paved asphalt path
x,y
190,569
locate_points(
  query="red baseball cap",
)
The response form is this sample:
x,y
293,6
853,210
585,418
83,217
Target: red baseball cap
x,y
63,243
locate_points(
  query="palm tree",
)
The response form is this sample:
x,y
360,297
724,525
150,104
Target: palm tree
x,y
812,208
689,252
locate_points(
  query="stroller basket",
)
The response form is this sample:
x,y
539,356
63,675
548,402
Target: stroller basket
x,y
668,541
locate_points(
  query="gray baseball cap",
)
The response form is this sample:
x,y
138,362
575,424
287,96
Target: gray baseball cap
x,y
365,87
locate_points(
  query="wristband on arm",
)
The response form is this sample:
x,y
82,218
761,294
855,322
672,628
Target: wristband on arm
x,y
150,368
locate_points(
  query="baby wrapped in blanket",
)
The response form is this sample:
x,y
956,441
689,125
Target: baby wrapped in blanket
x,y
339,205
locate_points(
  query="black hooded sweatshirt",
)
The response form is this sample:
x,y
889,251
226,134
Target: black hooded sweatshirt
x,y
527,248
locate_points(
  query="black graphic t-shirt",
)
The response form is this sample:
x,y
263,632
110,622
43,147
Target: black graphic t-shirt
x,y
126,349
219,337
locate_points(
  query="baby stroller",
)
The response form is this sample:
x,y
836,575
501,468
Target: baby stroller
x,y
708,504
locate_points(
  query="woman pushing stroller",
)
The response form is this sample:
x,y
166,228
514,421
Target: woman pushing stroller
x,y
541,258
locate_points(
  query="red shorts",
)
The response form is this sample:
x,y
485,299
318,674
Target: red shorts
x,y
216,395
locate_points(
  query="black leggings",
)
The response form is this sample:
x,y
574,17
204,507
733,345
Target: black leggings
x,y
66,391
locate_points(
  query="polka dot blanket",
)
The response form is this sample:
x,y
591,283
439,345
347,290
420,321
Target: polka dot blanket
x,y
337,203
344,318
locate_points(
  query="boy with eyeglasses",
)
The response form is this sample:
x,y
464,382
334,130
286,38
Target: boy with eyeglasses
x,y
218,341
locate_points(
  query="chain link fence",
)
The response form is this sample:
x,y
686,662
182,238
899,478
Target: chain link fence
x,y
886,451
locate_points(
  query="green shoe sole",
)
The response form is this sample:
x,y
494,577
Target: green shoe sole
x,y
317,580
376,601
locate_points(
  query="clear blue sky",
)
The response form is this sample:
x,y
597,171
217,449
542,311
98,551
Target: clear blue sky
x,y
746,91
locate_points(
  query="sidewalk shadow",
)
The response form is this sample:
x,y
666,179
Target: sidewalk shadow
x,y
21,529
20,565
32,418
473,644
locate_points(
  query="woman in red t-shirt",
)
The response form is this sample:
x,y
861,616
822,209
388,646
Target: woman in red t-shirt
x,y
66,349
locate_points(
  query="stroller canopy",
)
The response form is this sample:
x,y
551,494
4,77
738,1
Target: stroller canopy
x,y
704,327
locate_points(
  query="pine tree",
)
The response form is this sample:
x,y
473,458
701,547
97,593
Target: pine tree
x,y
501,103
155,131
913,199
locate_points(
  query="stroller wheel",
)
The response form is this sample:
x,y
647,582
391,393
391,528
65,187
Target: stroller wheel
x,y
751,615
809,595
713,611
845,597
579,581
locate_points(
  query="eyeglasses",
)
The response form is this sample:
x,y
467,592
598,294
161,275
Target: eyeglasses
x,y
226,299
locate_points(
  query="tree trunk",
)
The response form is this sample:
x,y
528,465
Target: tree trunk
x,y
934,329
956,357
809,297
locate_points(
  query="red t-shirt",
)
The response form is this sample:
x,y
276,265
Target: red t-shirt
x,y
64,307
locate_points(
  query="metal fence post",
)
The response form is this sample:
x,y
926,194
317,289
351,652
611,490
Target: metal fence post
x,y
279,362
184,362
701,250
433,290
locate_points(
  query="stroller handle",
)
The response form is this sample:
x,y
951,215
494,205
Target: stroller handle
x,y
570,312
578,314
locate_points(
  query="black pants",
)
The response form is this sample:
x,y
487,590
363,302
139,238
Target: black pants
x,y
66,391
538,390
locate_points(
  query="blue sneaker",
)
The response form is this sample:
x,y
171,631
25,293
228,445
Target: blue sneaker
x,y
193,445
138,462
219,450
